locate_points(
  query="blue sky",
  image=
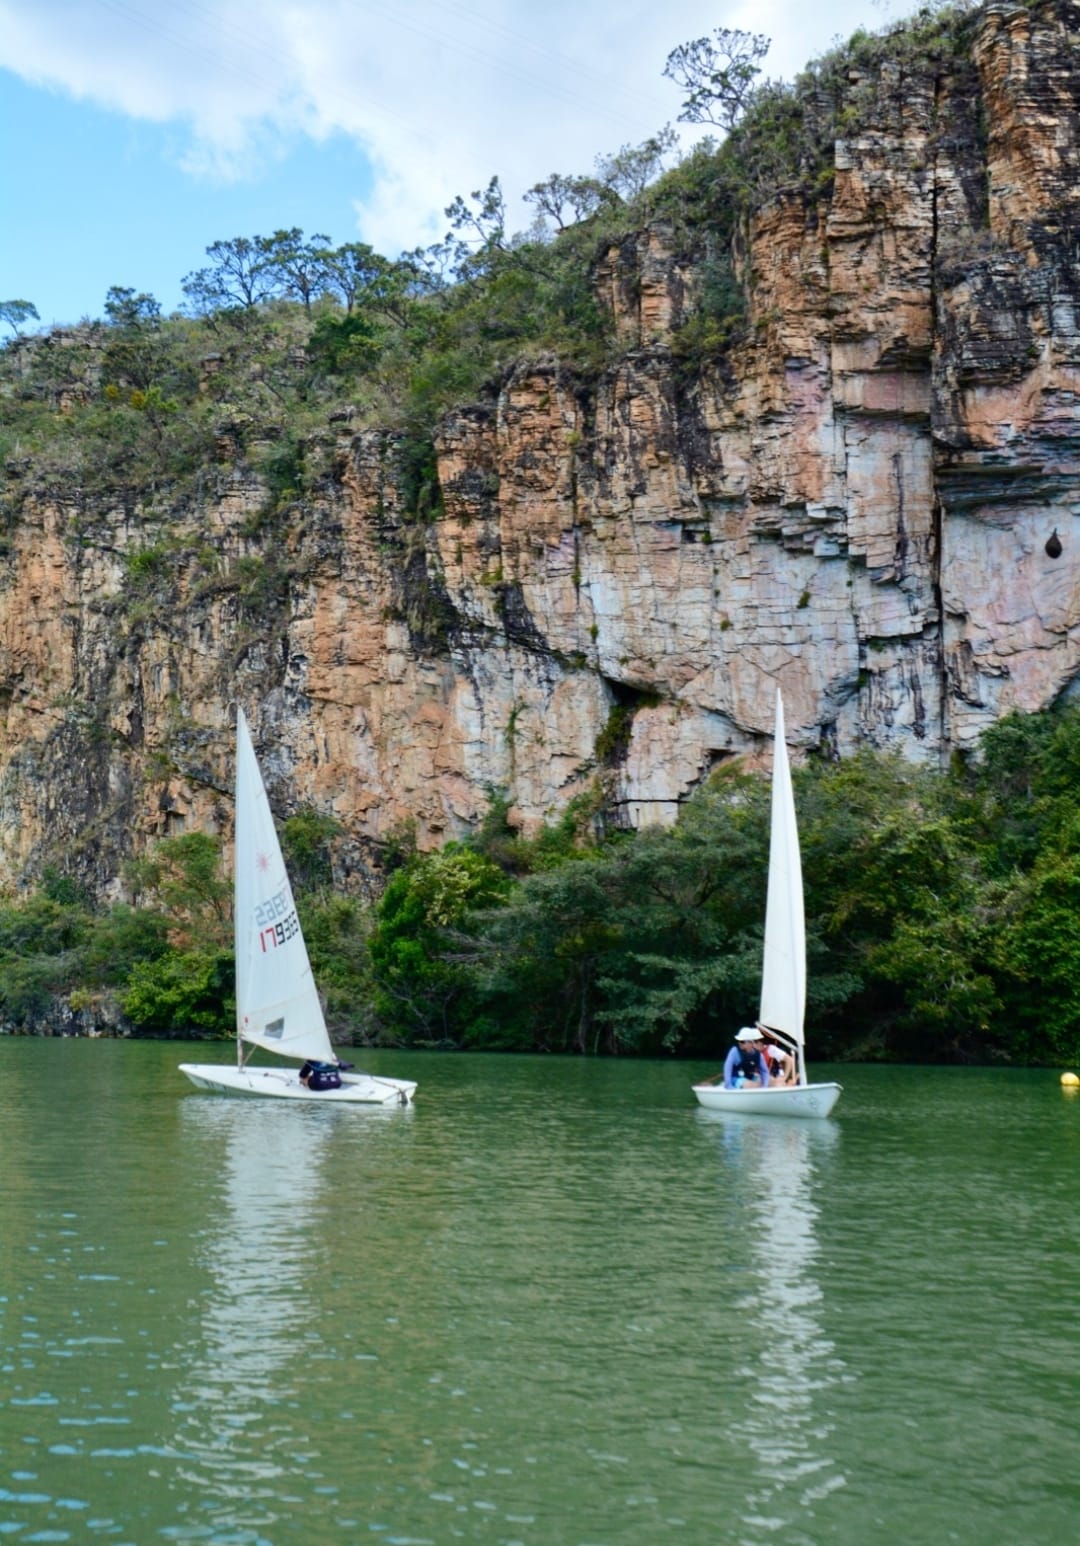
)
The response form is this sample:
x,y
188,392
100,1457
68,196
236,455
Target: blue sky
x,y
136,133
101,202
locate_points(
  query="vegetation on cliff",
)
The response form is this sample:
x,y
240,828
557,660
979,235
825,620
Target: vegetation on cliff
x,y
942,918
282,330
942,912
942,907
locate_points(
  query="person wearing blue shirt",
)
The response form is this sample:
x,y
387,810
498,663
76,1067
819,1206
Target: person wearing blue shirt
x,y
746,1063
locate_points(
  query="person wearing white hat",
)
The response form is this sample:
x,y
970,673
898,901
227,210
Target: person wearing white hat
x,y
745,1065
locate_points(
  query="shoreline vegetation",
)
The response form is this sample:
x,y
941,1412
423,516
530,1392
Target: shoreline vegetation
x,y
943,912
943,905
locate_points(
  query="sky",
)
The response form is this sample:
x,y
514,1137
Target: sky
x,y
137,132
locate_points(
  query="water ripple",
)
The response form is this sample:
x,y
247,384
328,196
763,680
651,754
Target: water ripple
x,y
556,1304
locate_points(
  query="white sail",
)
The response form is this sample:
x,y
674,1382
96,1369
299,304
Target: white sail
x,y
783,977
783,969
277,1004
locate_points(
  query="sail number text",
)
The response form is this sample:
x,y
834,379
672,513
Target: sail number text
x,y
276,920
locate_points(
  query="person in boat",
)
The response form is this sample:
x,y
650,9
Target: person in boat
x,y
745,1065
320,1076
781,1064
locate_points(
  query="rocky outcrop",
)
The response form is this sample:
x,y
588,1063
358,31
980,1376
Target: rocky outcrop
x,y
871,502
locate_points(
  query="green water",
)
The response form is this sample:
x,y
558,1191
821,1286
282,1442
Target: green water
x,y
554,1304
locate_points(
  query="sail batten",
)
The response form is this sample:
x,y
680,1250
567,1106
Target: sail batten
x,y
783,977
277,1003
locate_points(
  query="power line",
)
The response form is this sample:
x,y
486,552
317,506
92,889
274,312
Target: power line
x,y
317,93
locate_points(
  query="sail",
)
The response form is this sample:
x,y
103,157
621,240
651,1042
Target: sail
x,y
277,1005
783,978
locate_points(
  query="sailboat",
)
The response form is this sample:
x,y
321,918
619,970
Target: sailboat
x,y
277,1003
783,972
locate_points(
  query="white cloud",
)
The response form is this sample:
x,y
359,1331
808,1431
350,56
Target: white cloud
x,y
437,94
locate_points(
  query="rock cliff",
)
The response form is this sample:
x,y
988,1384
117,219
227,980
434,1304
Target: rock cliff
x,y
871,500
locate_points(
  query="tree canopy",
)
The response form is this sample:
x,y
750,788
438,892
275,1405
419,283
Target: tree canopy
x,y
16,313
719,75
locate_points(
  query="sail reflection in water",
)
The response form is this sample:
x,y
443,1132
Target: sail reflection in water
x,y
786,1363
260,1248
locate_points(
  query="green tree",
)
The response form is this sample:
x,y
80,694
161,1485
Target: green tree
x,y
642,943
181,992
482,219
135,355
307,840
301,265
358,274
567,200
539,958
718,73
336,930
182,878
240,276
420,970
63,888
117,941
345,346
40,925
939,953
1037,955
1026,778
40,942
630,170
16,313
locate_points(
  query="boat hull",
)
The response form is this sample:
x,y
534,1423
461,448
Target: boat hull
x,y
778,1100
284,1084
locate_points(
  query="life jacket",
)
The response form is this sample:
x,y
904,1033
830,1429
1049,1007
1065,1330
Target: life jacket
x,y
321,1076
747,1064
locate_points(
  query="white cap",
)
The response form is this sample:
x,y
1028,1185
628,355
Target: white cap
x,y
748,1034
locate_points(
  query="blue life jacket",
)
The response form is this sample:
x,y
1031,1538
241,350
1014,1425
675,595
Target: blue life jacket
x,y
321,1076
748,1064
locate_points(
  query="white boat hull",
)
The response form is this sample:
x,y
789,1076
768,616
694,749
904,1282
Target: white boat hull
x,y
284,1084
777,1100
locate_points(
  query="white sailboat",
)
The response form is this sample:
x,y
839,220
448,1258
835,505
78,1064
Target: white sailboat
x,y
783,974
277,1003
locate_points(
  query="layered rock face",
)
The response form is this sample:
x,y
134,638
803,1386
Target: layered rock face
x,y
872,503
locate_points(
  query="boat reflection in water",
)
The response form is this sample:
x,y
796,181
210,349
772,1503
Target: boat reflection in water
x,y
776,1406
236,1439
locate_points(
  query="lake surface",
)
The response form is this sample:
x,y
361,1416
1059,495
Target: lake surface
x,y
555,1304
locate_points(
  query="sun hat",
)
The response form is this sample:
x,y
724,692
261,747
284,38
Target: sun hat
x,y
748,1034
